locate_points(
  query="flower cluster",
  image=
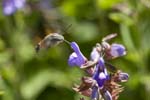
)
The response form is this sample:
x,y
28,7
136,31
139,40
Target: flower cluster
x,y
103,78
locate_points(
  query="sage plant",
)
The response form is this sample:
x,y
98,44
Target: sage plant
x,y
103,79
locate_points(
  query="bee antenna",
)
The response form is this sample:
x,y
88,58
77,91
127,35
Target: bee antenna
x,y
65,30
67,41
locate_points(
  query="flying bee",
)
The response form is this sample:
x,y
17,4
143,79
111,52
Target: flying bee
x,y
50,41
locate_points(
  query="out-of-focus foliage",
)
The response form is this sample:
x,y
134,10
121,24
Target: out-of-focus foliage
x,y
26,75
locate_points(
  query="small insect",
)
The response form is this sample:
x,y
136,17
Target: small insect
x,y
49,41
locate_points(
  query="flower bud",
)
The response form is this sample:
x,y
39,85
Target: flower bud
x,y
107,95
95,55
117,50
95,93
123,77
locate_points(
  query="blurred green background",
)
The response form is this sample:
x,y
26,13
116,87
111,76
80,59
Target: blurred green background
x,y
26,75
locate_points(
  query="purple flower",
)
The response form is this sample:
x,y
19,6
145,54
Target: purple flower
x,y
123,77
10,6
76,58
117,50
100,74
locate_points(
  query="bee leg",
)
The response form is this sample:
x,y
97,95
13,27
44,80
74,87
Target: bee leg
x,y
37,48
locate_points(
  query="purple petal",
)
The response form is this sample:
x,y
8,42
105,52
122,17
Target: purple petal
x,y
101,63
100,77
106,74
96,73
95,93
8,7
72,59
95,55
76,58
101,80
107,95
117,50
123,77
75,47
100,74
19,3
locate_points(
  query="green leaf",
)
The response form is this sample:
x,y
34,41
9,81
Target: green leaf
x,y
107,4
121,18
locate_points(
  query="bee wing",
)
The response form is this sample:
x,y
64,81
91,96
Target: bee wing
x,y
50,41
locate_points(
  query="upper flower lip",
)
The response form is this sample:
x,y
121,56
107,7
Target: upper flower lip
x,y
75,47
95,55
117,50
76,58
101,63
